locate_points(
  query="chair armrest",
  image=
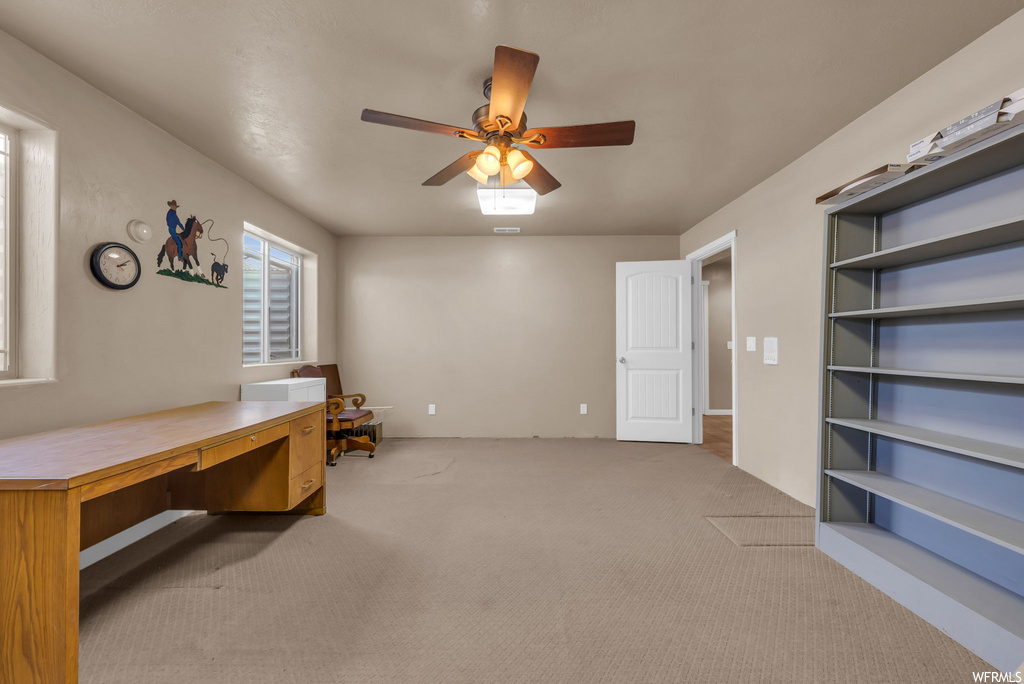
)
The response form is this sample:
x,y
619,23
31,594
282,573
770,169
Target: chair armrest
x,y
357,400
334,407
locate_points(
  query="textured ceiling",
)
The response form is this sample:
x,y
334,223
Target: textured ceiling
x,y
724,93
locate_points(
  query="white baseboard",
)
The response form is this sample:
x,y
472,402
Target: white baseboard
x,y
112,545
717,412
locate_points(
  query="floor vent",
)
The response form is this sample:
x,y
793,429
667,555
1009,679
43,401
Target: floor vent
x,y
766,530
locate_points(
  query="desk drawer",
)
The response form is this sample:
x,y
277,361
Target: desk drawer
x,y
307,443
305,484
222,452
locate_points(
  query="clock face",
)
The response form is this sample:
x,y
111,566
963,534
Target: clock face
x,y
115,266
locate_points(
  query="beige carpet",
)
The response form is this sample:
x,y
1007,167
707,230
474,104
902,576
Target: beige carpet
x,y
502,561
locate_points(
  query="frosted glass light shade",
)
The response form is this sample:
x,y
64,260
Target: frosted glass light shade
x,y
477,175
489,161
520,165
506,201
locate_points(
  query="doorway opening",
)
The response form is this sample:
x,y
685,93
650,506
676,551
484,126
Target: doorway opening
x,y
715,346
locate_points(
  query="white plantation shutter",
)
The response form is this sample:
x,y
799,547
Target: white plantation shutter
x,y
270,302
7,367
283,305
252,300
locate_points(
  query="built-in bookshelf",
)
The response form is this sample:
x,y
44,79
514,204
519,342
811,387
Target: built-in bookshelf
x,y
922,423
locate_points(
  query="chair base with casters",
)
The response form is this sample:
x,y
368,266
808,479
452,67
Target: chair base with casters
x,y
339,420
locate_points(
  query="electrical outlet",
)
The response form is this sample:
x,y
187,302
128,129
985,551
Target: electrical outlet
x,y
751,344
583,409
431,410
771,351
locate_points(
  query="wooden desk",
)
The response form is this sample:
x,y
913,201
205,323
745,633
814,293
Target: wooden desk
x,y
65,490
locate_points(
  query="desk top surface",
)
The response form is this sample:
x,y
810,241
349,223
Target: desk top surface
x,y
67,458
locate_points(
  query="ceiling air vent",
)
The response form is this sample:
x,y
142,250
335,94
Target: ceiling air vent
x,y
506,230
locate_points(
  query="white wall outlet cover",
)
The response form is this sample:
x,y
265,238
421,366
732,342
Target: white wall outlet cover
x,y
771,351
583,409
431,410
751,344
728,345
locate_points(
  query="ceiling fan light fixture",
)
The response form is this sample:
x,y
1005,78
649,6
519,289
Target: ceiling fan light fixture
x,y
505,176
489,161
501,123
519,164
506,201
477,175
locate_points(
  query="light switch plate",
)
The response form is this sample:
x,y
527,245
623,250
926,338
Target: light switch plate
x,y
751,344
771,351
583,409
431,410
728,345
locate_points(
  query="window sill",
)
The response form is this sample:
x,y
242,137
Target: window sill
x,y
294,362
26,382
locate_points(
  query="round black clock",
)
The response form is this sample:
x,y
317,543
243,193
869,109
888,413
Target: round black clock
x,y
115,266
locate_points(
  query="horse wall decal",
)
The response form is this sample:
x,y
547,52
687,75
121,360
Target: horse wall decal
x,y
189,252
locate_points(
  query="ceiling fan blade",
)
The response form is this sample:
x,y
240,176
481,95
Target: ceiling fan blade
x,y
589,135
539,179
452,170
510,83
373,116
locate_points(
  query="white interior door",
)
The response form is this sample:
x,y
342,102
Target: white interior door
x,y
653,351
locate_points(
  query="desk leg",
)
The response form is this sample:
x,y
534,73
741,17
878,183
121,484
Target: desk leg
x,y
39,586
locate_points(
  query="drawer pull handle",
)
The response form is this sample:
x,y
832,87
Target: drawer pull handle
x,y
307,484
253,438
307,430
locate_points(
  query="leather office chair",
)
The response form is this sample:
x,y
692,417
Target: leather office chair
x,y
340,418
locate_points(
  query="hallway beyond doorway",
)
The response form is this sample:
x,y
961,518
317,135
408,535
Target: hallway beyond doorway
x,y
718,436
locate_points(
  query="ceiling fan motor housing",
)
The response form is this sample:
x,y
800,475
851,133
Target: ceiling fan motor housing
x,y
483,126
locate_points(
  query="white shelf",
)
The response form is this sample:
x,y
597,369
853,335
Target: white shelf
x,y
981,522
966,446
990,235
978,613
1005,303
935,375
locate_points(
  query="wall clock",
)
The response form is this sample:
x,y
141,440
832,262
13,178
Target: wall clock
x,y
115,266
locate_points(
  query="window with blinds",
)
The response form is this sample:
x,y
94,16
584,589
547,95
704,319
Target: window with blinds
x,y
270,302
8,368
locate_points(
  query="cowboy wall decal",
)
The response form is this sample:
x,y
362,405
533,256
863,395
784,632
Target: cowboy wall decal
x,y
182,251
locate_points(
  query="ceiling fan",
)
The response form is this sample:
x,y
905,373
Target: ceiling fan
x,y
501,124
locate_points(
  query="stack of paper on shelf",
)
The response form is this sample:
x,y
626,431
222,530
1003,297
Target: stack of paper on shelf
x,y
995,118
869,181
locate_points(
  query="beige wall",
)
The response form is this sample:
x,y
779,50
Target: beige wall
x,y
507,335
163,343
778,255
718,275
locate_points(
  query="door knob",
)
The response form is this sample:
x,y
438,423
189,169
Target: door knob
x,y
622,359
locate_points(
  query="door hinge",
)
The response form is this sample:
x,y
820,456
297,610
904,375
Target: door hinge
x,y
691,280
693,345
693,411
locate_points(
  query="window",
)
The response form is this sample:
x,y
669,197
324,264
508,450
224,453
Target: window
x,y
8,365
271,275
